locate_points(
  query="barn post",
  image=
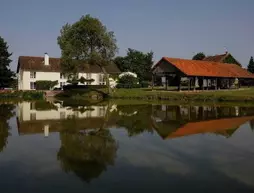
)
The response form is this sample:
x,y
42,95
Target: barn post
x,y
203,83
166,82
216,85
189,82
179,84
207,85
195,79
152,81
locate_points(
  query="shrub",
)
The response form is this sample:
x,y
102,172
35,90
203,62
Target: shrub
x,y
45,84
23,95
91,87
145,84
127,81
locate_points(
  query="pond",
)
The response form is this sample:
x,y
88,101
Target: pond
x,y
57,147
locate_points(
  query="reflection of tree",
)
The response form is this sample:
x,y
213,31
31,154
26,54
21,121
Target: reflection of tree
x,y
87,154
6,112
135,118
252,125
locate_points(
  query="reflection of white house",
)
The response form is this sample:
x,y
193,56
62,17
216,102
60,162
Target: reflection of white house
x,y
27,112
31,69
32,120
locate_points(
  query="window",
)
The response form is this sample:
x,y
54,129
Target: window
x,y
32,106
62,76
102,111
89,77
32,85
62,84
101,79
32,74
62,115
32,116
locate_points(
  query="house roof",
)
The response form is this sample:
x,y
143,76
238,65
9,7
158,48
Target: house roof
x,y
31,63
216,58
219,58
207,68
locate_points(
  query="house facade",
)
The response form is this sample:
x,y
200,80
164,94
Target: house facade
x,y
31,69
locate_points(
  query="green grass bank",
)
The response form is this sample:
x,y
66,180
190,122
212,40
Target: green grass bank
x,y
245,95
22,95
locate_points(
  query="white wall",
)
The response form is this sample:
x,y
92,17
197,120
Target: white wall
x,y
24,78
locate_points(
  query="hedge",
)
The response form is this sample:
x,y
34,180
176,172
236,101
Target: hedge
x,y
23,95
91,87
45,84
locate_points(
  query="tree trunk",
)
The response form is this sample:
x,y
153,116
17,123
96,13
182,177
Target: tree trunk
x,y
107,80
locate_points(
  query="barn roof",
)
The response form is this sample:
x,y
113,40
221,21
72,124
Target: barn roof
x,y
210,126
32,63
206,68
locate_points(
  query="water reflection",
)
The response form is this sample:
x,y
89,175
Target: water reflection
x,y
178,121
6,112
83,142
87,153
167,121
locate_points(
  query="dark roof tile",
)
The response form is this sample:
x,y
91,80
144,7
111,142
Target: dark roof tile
x,y
31,63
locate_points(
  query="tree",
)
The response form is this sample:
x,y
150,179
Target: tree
x,y
137,62
87,41
6,75
231,60
199,56
251,65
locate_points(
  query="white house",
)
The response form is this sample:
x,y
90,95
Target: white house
x,y
31,69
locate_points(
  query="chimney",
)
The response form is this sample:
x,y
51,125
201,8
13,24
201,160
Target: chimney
x,y
46,59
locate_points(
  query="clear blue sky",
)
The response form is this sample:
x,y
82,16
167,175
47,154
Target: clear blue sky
x,y
174,28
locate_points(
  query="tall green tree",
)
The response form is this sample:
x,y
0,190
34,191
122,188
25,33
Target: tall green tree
x,y
87,41
251,65
6,75
137,62
199,56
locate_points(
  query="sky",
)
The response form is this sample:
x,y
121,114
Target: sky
x,y
173,28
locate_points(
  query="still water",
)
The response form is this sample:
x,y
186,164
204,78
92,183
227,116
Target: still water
x,y
56,147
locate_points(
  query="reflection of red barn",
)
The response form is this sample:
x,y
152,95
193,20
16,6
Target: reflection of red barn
x,y
225,127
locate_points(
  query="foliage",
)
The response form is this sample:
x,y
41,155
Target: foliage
x,y
251,65
132,119
45,84
44,106
84,80
137,62
145,84
87,154
84,87
127,81
6,112
82,94
87,41
6,75
24,95
231,60
199,56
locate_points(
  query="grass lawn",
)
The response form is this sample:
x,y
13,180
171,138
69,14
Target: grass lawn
x,y
244,95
